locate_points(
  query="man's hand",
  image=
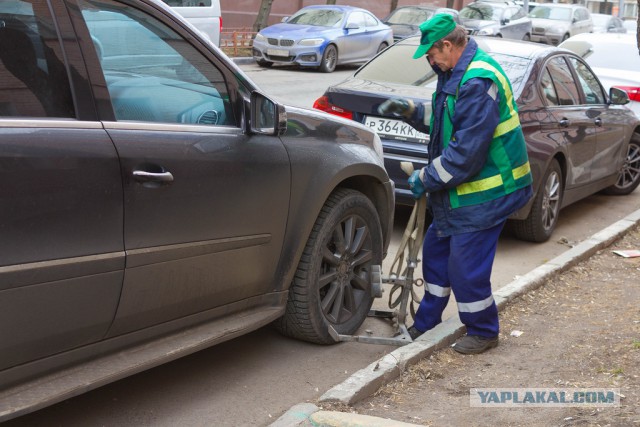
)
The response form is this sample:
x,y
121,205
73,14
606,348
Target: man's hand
x,y
396,107
416,185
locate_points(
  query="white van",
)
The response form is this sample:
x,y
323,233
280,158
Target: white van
x,y
205,15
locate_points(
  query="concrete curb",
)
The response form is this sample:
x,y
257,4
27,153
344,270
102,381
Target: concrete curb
x,y
365,382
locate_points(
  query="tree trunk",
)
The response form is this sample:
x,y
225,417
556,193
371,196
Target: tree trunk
x,y
334,1
263,15
394,5
638,28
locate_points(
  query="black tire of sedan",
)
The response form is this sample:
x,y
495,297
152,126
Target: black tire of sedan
x,y
543,218
264,64
332,284
329,59
629,176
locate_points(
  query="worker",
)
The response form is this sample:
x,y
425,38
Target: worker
x,y
478,174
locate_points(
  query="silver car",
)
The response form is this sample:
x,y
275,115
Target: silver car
x,y
500,19
553,23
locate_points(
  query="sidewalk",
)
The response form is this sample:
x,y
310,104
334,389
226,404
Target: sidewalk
x,y
573,322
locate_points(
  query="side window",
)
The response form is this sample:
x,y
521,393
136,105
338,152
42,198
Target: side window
x,y
152,73
548,90
592,91
508,13
370,20
566,88
357,18
33,76
518,13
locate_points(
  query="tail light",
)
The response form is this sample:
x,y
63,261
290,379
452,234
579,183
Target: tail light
x,y
221,24
632,91
323,104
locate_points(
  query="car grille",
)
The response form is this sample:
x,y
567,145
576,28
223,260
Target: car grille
x,y
282,42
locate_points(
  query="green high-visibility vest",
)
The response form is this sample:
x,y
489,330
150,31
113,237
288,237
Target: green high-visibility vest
x,y
507,167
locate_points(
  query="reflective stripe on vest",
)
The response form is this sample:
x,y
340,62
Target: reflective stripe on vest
x,y
507,168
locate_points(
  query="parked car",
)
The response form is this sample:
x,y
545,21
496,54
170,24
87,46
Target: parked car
x,y
580,140
631,25
530,5
603,23
553,23
155,202
322,37
497,19
614,59
205,15
405,21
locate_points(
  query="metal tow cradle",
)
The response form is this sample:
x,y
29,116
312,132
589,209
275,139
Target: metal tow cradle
x,y
401,277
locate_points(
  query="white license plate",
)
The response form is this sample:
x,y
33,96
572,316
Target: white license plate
x,y
277,52
395,129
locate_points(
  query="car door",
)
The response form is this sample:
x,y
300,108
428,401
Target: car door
x,y
571,127
609,121
205,205
61,251
355,40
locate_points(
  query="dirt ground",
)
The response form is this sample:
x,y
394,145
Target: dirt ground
x,y
580,330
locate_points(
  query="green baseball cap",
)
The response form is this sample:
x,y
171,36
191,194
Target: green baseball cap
x,y
433,29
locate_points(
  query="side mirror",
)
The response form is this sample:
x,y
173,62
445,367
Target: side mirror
x,y
266,117
505,21
618,96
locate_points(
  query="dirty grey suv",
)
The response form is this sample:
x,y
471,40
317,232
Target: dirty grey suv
x,y
155,202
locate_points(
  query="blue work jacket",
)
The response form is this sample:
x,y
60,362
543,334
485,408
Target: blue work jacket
x,y
474,120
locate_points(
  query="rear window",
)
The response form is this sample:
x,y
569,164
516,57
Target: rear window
x,y
396,65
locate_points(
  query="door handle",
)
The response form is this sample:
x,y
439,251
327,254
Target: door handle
x,y
598,122
144,176
565,123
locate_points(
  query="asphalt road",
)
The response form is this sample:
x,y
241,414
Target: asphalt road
x,y
252,380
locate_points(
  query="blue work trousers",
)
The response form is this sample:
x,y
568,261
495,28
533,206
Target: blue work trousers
x,y
460,263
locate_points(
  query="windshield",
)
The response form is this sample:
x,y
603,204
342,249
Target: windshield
x,y
410,16
554,13
396,65
318,17
481,11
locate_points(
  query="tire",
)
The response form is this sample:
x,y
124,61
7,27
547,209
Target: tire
x,y
629,176
527,37
332,284
566,36
382,47
329,59
264,64
543,218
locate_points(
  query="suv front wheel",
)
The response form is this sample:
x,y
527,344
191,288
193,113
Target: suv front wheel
x,y
332,284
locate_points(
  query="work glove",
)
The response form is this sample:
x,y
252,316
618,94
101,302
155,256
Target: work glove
x,y
396,107
416,184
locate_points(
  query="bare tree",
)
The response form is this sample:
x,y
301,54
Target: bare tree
x,y
334,1
263,15
394,5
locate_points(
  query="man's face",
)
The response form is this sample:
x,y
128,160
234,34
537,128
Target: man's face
x,y
441,57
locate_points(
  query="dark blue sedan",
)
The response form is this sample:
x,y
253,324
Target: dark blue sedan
x,y
322,37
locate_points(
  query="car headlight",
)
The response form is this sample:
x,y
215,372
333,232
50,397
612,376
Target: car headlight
x,y
486,31
310,42
260,38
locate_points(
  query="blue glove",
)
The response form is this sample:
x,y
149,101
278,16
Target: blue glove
x,y
396,107
416,185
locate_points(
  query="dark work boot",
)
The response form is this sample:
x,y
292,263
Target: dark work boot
x,y
474,344
414,333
